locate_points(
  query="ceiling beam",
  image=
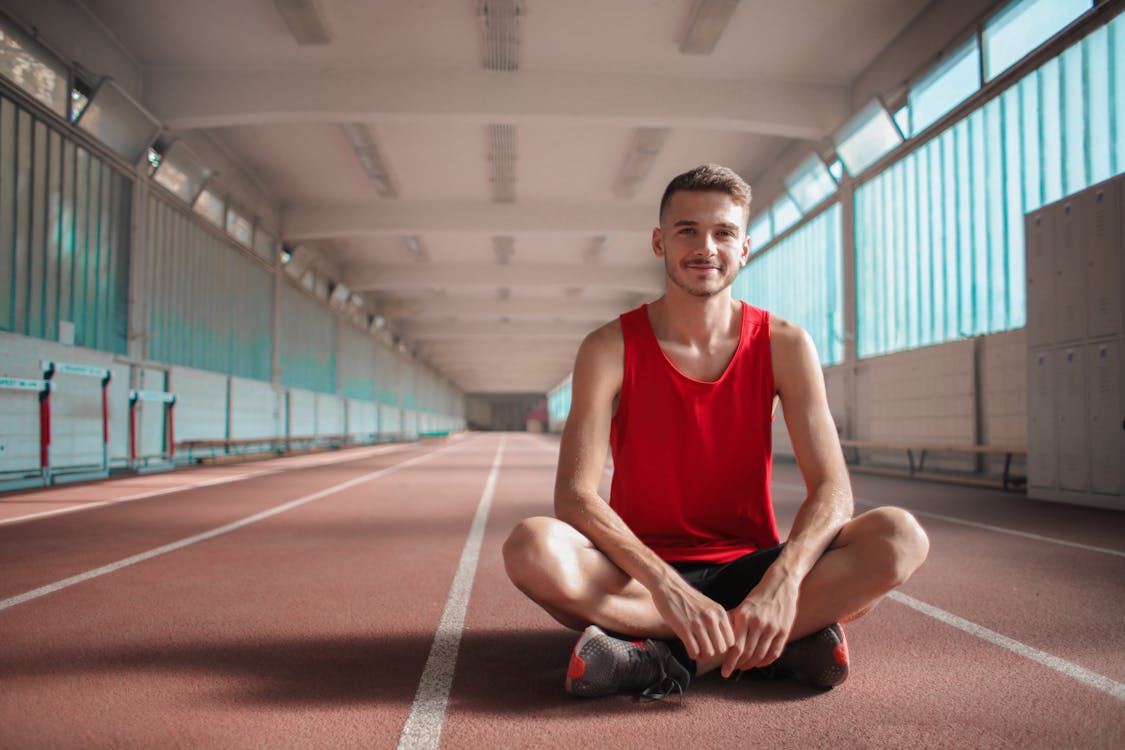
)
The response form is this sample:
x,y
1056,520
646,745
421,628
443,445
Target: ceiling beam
x,y
476,330
545,310
538,276
427,217
186,99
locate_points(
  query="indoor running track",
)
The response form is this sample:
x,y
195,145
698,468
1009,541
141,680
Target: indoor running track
x,y
357,599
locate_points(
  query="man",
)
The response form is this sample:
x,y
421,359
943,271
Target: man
x,y
681,572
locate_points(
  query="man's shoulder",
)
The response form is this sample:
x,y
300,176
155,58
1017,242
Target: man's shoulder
x,y
604,341
786,334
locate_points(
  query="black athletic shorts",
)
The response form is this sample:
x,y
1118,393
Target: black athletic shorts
x,y
729,583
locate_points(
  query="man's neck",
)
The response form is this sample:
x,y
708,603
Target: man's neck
x,y
696,322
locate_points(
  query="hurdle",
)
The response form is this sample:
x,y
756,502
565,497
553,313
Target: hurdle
x,y
142,463
41,475
84,471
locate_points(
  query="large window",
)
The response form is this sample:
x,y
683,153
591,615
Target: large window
x,y
939,234
1024,25
801,279
64,236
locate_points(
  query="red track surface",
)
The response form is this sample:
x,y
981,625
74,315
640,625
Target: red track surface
x,y
311,627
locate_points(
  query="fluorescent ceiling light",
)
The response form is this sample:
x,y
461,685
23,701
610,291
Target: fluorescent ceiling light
x,y
502,156
306,21
367,153
501,22
708,21
119,121
414,248
504,247
646,146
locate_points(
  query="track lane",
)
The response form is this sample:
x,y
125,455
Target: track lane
x,y
309,628
1065,600
915,682
43,502
45,550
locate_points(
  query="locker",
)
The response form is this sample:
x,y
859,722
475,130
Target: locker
x,y
1107,431
1042,453
1070,268
1040,239
1103,263
1070,398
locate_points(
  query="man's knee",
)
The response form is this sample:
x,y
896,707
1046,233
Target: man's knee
x,y
529,552
896,543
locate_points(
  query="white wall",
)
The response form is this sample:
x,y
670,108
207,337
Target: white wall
x,y
930,396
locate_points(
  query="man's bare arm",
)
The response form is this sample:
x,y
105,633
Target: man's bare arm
x,y
699,622
762,623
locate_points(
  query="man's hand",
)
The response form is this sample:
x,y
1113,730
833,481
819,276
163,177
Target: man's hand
x,y
700,622
761,625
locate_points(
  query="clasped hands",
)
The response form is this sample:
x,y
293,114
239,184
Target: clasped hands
x,y
753,634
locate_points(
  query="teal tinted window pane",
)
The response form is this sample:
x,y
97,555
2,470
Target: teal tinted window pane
x,y
1116,46
869,136
1024,25
1050,131
949,84
784,213
902,119
801,279
810,184
1074,126
1099,100
760,232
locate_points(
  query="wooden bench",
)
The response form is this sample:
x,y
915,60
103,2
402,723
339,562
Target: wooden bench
x,y
916,455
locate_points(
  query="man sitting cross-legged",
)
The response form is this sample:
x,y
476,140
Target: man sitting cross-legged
x,y
682,571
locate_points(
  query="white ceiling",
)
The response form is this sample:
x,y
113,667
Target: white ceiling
x,y
590,73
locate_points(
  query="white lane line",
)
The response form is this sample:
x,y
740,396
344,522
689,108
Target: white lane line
x,y
194,485
427,714
1068,668
976,525
173,546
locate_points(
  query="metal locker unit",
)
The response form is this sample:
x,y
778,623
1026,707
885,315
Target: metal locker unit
x,y
1042,452
1107,433
1105,281
1040,236
1076,341
1071,420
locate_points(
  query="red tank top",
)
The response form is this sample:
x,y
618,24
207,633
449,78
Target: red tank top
x,y
692,459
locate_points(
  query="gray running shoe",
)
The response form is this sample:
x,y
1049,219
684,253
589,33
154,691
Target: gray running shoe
x,y
819,660
603,665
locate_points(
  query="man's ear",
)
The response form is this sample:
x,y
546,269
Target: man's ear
x,y
657,242
744,256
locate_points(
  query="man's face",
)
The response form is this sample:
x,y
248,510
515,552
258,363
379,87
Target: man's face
x,y
702,238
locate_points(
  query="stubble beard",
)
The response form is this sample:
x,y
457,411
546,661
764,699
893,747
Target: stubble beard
x,y
703,291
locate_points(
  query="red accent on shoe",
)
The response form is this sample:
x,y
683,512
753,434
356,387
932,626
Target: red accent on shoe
x,y
577,667
639,644
841,653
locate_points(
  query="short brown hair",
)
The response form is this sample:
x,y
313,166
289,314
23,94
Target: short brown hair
x,y
709,177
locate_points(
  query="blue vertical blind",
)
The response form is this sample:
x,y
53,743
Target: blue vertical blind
x,y
64,236
939,234
800,279
307,343
210,306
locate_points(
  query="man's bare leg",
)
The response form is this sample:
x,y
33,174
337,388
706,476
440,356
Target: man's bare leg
x,y
577,585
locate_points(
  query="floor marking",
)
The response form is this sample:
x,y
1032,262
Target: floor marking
x,y
192,485
976,525
1068,668
427,714
173,546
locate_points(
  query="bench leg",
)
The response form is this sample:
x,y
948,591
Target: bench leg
x,y
1007,468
